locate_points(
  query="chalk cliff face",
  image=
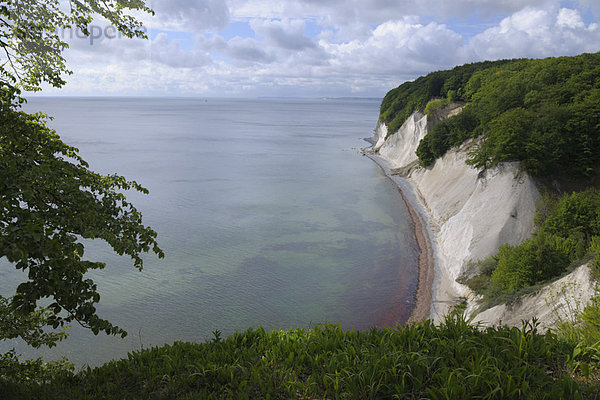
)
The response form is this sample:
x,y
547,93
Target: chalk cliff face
x,y
399,148
471,212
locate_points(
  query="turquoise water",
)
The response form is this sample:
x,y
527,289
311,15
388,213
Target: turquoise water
x,y
266,210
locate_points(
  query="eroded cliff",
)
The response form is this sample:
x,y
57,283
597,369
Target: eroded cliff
x,y
470,212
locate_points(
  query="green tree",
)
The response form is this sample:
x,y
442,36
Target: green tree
x,y
49,198
30,36
506,137
575,213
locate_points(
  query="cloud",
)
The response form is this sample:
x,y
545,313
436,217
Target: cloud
x,y
103,46
569,19
287,34
344,12
400,47
106,47
189,15
537,33
276,41
245,49
354,19
288,56
169,53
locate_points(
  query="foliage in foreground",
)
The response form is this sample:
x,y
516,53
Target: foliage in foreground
x,y
31,42
545,113
454,360
49,201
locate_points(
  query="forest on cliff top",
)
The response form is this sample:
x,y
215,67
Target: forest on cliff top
x,y
544,113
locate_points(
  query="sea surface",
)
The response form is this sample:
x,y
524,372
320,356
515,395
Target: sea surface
x,y
267,212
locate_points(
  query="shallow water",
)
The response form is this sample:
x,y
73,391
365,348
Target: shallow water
x,y
266,210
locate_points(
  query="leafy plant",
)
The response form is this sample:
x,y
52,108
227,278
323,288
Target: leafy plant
x,y
436,105
452,360
49,202
49,198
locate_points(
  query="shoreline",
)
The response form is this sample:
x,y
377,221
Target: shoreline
x,y
423,296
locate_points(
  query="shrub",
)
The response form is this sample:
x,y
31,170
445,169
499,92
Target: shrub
x,y
453,360
479,284
568,228
437,104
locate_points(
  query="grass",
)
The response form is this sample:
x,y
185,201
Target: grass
x,y
452,361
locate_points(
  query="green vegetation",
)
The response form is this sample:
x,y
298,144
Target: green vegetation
x,y
545,113
589,327
452,361
437,104
448,133
568,234
582,330
568,230
399,103
50,201
30,36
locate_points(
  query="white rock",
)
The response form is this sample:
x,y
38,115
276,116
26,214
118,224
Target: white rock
x,y
399,148
470,212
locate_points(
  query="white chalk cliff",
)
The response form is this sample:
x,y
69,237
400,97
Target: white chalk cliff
x,y
470,212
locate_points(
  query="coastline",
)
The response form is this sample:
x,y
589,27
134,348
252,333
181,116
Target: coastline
x,y
459,213
424,294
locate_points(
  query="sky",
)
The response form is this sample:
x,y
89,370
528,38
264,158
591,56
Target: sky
x,y
317,48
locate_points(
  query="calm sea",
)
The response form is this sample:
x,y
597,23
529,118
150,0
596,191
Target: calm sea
x,y
266,210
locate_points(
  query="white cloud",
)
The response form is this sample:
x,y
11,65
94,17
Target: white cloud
x,y
282,59
569,19
344,13
537,33
169,53
189,15
400,47
286,34
106,48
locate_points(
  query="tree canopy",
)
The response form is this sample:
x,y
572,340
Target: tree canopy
x,y
50,201
31,42
544,113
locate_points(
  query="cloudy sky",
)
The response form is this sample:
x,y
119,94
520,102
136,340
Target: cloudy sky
x,y
316,48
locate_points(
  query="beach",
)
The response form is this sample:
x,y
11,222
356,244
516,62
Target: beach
x,y
423,235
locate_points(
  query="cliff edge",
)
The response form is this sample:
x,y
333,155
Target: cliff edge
x,y
470,212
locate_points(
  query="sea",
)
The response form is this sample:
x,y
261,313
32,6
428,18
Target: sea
x,y
267,211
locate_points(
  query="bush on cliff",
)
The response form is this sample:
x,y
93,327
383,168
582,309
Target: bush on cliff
x,y
399,103
568,230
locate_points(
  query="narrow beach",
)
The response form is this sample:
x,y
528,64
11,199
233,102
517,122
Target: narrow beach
x,y
426,261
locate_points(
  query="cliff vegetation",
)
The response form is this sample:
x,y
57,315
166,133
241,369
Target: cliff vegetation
x,y
544,113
